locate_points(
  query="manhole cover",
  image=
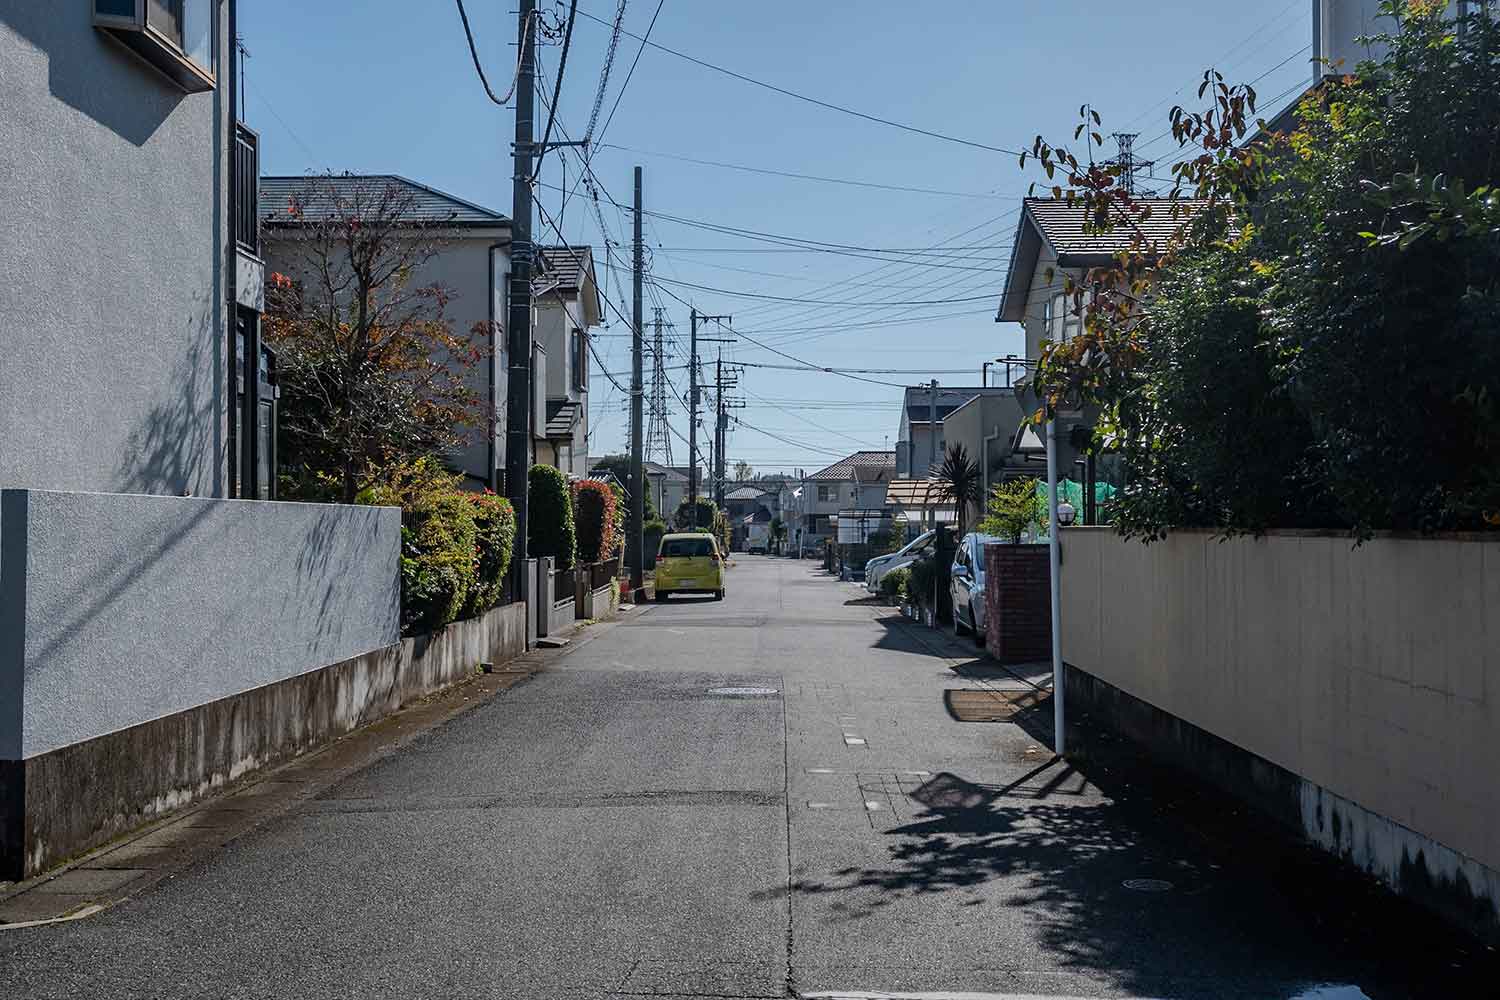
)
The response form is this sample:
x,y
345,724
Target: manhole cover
x,y
988,705
743,692
1147,885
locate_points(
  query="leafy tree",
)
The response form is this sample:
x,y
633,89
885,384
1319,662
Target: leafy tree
x,y
652,535
1013,507
743,471
550,528
1313,345
372,374
958,483
619,467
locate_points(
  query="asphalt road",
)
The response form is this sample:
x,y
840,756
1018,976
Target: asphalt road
x,y
734,799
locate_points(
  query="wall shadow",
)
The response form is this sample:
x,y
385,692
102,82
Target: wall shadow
x,y
175,449
93,74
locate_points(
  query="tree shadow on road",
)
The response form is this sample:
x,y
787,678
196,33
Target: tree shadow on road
x,y
1240,904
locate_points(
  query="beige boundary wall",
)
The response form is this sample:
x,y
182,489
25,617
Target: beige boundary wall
x,y
1370,673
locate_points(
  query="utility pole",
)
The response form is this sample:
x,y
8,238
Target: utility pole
x,y
695,317
518,324
932,434
721,425
636,542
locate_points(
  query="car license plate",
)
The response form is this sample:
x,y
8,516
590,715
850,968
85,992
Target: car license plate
x,y
689,583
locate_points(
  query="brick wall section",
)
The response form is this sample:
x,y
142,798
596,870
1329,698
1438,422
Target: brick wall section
x,y
1018,606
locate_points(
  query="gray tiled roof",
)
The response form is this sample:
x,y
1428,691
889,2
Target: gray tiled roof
x,y
919,401
862,462
1066,229
566,267
1066,226
319,194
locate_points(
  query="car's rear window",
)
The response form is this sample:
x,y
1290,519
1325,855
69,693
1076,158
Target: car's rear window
x,y
681,547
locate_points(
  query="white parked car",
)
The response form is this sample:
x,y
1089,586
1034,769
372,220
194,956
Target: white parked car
x,y
967,584
881,565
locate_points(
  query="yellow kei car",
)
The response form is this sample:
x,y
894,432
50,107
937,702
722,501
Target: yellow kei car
x,y
689,564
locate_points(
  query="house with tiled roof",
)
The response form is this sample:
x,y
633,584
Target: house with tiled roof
x,y
568,309
1056,241
857,482
470,258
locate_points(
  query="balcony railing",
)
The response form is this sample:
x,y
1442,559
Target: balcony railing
x,y
246,189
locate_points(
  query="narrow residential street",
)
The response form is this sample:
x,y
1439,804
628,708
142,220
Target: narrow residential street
x,y
757,798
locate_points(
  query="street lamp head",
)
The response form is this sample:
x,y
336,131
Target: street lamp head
x,y
1066,514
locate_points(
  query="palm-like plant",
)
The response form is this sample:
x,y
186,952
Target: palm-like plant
x,y
958,483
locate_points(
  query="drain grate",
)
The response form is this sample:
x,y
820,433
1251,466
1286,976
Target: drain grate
x,y
1147,885
969,705
744,692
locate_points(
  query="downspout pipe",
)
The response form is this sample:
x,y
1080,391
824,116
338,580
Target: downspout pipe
x,y
230,332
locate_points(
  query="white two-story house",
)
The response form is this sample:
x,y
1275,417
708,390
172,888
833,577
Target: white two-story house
x,y
568,308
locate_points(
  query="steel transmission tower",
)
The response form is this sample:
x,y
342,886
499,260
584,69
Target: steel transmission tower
x,y
658,437
1129,165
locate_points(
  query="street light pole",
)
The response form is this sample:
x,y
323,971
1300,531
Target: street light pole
x,y
1054,552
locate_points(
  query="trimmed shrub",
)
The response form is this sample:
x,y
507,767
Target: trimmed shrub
x,y
683,519
439,539
653,532
920,578
893,584
550,531
495,530
594,512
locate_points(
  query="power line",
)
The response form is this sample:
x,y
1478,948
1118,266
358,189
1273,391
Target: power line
x,y
479,68
562,66
818,302
813,100
803,177
631,73
609,61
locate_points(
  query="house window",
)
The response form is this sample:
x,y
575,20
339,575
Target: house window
x,y
178,37
827,493
1064,321
580,360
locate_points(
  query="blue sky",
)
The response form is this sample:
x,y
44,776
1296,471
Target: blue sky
x,y
384,86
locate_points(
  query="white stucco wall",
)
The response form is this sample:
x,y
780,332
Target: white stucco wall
x,y
112,322
120,609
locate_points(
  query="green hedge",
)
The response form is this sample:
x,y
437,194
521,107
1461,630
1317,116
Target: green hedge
x,y
550,513
653,532
894,583
439,542
594,511
495,529
683,519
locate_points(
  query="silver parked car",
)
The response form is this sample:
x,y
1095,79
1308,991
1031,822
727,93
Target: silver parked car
x,y
967,584
881,565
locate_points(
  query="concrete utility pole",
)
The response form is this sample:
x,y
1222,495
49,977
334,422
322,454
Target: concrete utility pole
x,y
636,542
932,436
693,410
518,323
693,401
721,429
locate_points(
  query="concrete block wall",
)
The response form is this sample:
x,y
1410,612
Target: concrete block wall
x,y
1018,605
1370,673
